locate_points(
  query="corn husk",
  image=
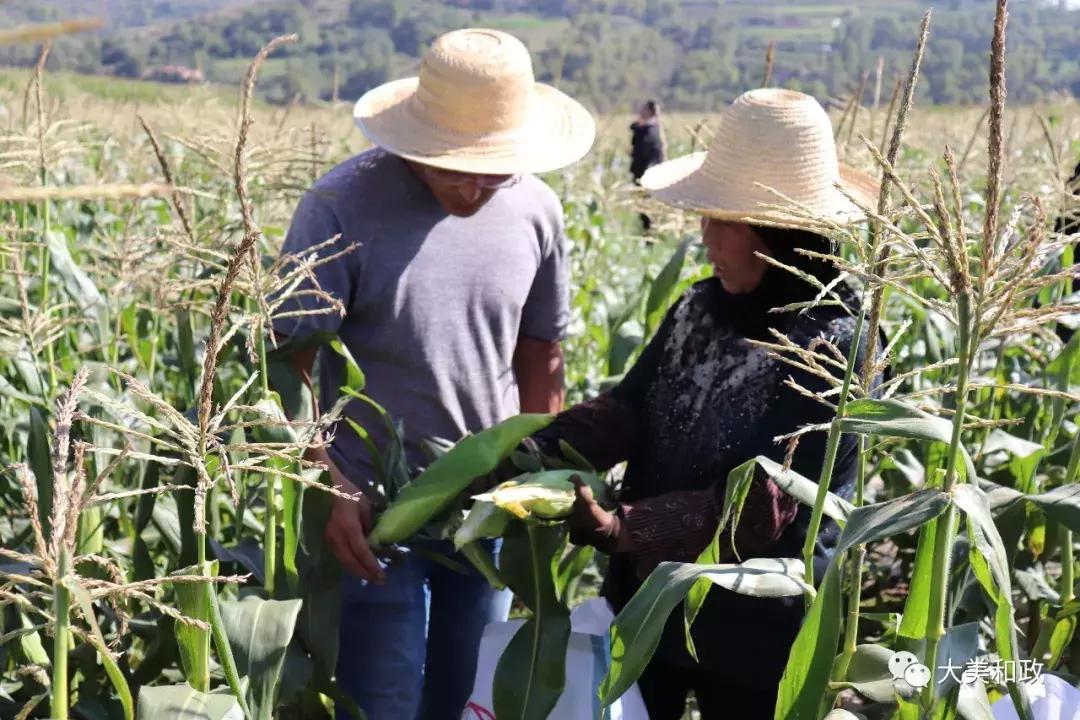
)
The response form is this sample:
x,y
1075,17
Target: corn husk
x,y
485,520
544,495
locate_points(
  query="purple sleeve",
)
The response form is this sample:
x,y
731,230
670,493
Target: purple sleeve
x,y
313,223
678,526
603,430
546,313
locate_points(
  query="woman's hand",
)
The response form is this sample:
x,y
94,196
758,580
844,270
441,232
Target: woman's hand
x,y
591,524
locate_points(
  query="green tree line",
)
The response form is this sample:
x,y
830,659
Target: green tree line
x,y
690,54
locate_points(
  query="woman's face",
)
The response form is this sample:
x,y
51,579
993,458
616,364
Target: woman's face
x,y
731,247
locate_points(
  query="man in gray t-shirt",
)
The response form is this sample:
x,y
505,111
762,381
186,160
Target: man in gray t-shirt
x,y
456,300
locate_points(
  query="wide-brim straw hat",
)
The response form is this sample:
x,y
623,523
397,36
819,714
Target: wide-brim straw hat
x,y
773,160
476,107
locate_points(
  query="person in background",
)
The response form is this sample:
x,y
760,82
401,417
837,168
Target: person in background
x,y
449,257
1069,220
1068,223
646,146
704,398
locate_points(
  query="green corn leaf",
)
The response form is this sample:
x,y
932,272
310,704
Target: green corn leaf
x,y
144,508
636,631
224,649
810,661
135,335
663,287
1060,638
27,368
1065,368
116,675
165,517
189,370
278,431
892,418
77,283
805,490
320,585
738,484
571,567
354,376
735,492
1024,457
699,591
31,645
988,551
185,515
485,520
193,601
972,702
183,702
481,559
292,519
9,390
1062,504
884,519
869,674
531,674
38,455
627,338
259,631
917,605
446,478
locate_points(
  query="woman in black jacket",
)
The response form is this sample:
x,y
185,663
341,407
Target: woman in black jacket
x,y
703,398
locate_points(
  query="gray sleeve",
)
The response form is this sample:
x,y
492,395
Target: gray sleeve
x,y
313,223
547,308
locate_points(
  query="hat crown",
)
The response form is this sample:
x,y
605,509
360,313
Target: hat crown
x,y
476,82
779,139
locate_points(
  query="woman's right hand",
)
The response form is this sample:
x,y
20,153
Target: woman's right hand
x,y
590,524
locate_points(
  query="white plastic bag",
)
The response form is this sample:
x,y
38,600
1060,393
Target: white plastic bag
x,y
587,660
1051,699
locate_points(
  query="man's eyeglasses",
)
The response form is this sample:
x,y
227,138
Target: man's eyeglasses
x,y
490,182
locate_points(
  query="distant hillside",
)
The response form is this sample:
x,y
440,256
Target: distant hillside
x,y
118,14
691,54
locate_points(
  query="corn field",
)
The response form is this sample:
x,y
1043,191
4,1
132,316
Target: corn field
x,y
162,552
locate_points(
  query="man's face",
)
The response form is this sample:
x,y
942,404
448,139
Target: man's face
x,y
460,193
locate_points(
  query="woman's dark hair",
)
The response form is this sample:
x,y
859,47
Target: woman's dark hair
x,y
652,106
784,244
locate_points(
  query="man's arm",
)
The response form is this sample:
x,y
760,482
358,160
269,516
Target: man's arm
x,y
350,520
538,365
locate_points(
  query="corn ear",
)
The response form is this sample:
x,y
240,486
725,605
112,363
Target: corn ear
x,y
544,495
485,520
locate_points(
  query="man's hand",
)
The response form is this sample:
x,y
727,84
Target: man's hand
x,y
347,531
350,520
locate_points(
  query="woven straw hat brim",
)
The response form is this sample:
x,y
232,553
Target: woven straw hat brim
x,y
681,183
560,131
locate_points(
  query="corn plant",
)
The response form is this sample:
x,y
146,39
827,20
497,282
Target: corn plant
x,y
161,536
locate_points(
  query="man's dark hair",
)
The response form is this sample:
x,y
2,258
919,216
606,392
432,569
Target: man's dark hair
x,y
652,106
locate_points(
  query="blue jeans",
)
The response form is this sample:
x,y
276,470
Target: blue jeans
x,y
408,648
